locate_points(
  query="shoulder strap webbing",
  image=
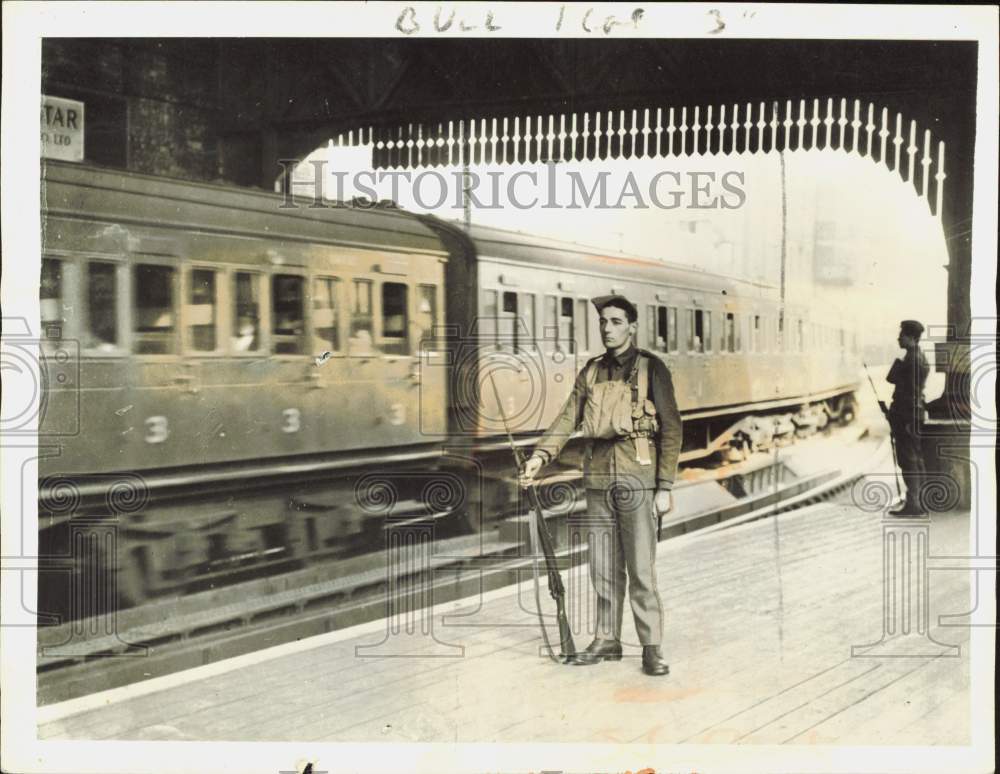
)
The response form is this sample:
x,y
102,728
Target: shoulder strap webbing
x,y
590,377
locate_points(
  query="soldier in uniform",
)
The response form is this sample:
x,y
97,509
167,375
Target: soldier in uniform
x,y
623,401
906,414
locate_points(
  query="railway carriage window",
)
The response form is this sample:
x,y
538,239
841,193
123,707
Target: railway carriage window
x,y
658,328
672,329
427,316
50,296
153,309
780,334
582,329
707,330
326,305
102,306
362,325
246,312
200,311
566,325
550,331
394,318
698,332
756,341
488,316
729,333
287,313
527,302
507,322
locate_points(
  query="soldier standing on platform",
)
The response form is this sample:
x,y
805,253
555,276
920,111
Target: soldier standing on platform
x,y
623,401
906,415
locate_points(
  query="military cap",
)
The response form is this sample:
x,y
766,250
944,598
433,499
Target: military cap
x,y
911,328
602,301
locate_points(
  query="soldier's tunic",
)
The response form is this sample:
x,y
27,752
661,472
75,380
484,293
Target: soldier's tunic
x,y
621,520
906,414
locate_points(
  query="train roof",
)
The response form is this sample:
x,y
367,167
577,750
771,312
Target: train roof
x,y
85,190
517,246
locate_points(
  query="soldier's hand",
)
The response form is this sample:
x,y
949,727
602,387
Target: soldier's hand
x,y
663,502
530,469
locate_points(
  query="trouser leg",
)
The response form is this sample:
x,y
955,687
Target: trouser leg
x,y
607,564
911,460
637,529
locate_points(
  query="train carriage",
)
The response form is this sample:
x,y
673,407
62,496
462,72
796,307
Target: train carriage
x,y
522,303
239,361
232,353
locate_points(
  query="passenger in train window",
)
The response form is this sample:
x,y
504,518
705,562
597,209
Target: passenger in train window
x,y
246,312
245,338
623,403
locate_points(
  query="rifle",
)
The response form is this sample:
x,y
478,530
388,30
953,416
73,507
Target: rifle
x,y
540,537
892,437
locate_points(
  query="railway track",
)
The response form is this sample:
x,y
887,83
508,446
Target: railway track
x,y
95,654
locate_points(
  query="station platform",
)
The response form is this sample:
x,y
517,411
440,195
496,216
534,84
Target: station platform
x,y
829,624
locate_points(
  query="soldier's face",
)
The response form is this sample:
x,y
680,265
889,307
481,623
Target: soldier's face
x,y
615,327
905,341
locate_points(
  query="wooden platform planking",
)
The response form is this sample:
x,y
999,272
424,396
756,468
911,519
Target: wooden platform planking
x,y
760,623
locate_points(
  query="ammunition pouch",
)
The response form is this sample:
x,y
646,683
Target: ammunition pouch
x,y
614,409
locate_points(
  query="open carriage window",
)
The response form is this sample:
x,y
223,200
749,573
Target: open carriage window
x,y
394,318
730,335
153,309
567,342
287,313
507,319
699,331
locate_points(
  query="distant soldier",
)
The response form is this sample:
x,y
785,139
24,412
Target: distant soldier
x,y
906,415
623,401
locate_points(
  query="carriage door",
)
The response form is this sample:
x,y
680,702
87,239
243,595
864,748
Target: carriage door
x,y
396,391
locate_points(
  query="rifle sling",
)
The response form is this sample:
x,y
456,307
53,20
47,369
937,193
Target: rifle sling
x,y
534,526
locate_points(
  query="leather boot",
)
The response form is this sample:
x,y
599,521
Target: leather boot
x,y
597,651
909,508
652,661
